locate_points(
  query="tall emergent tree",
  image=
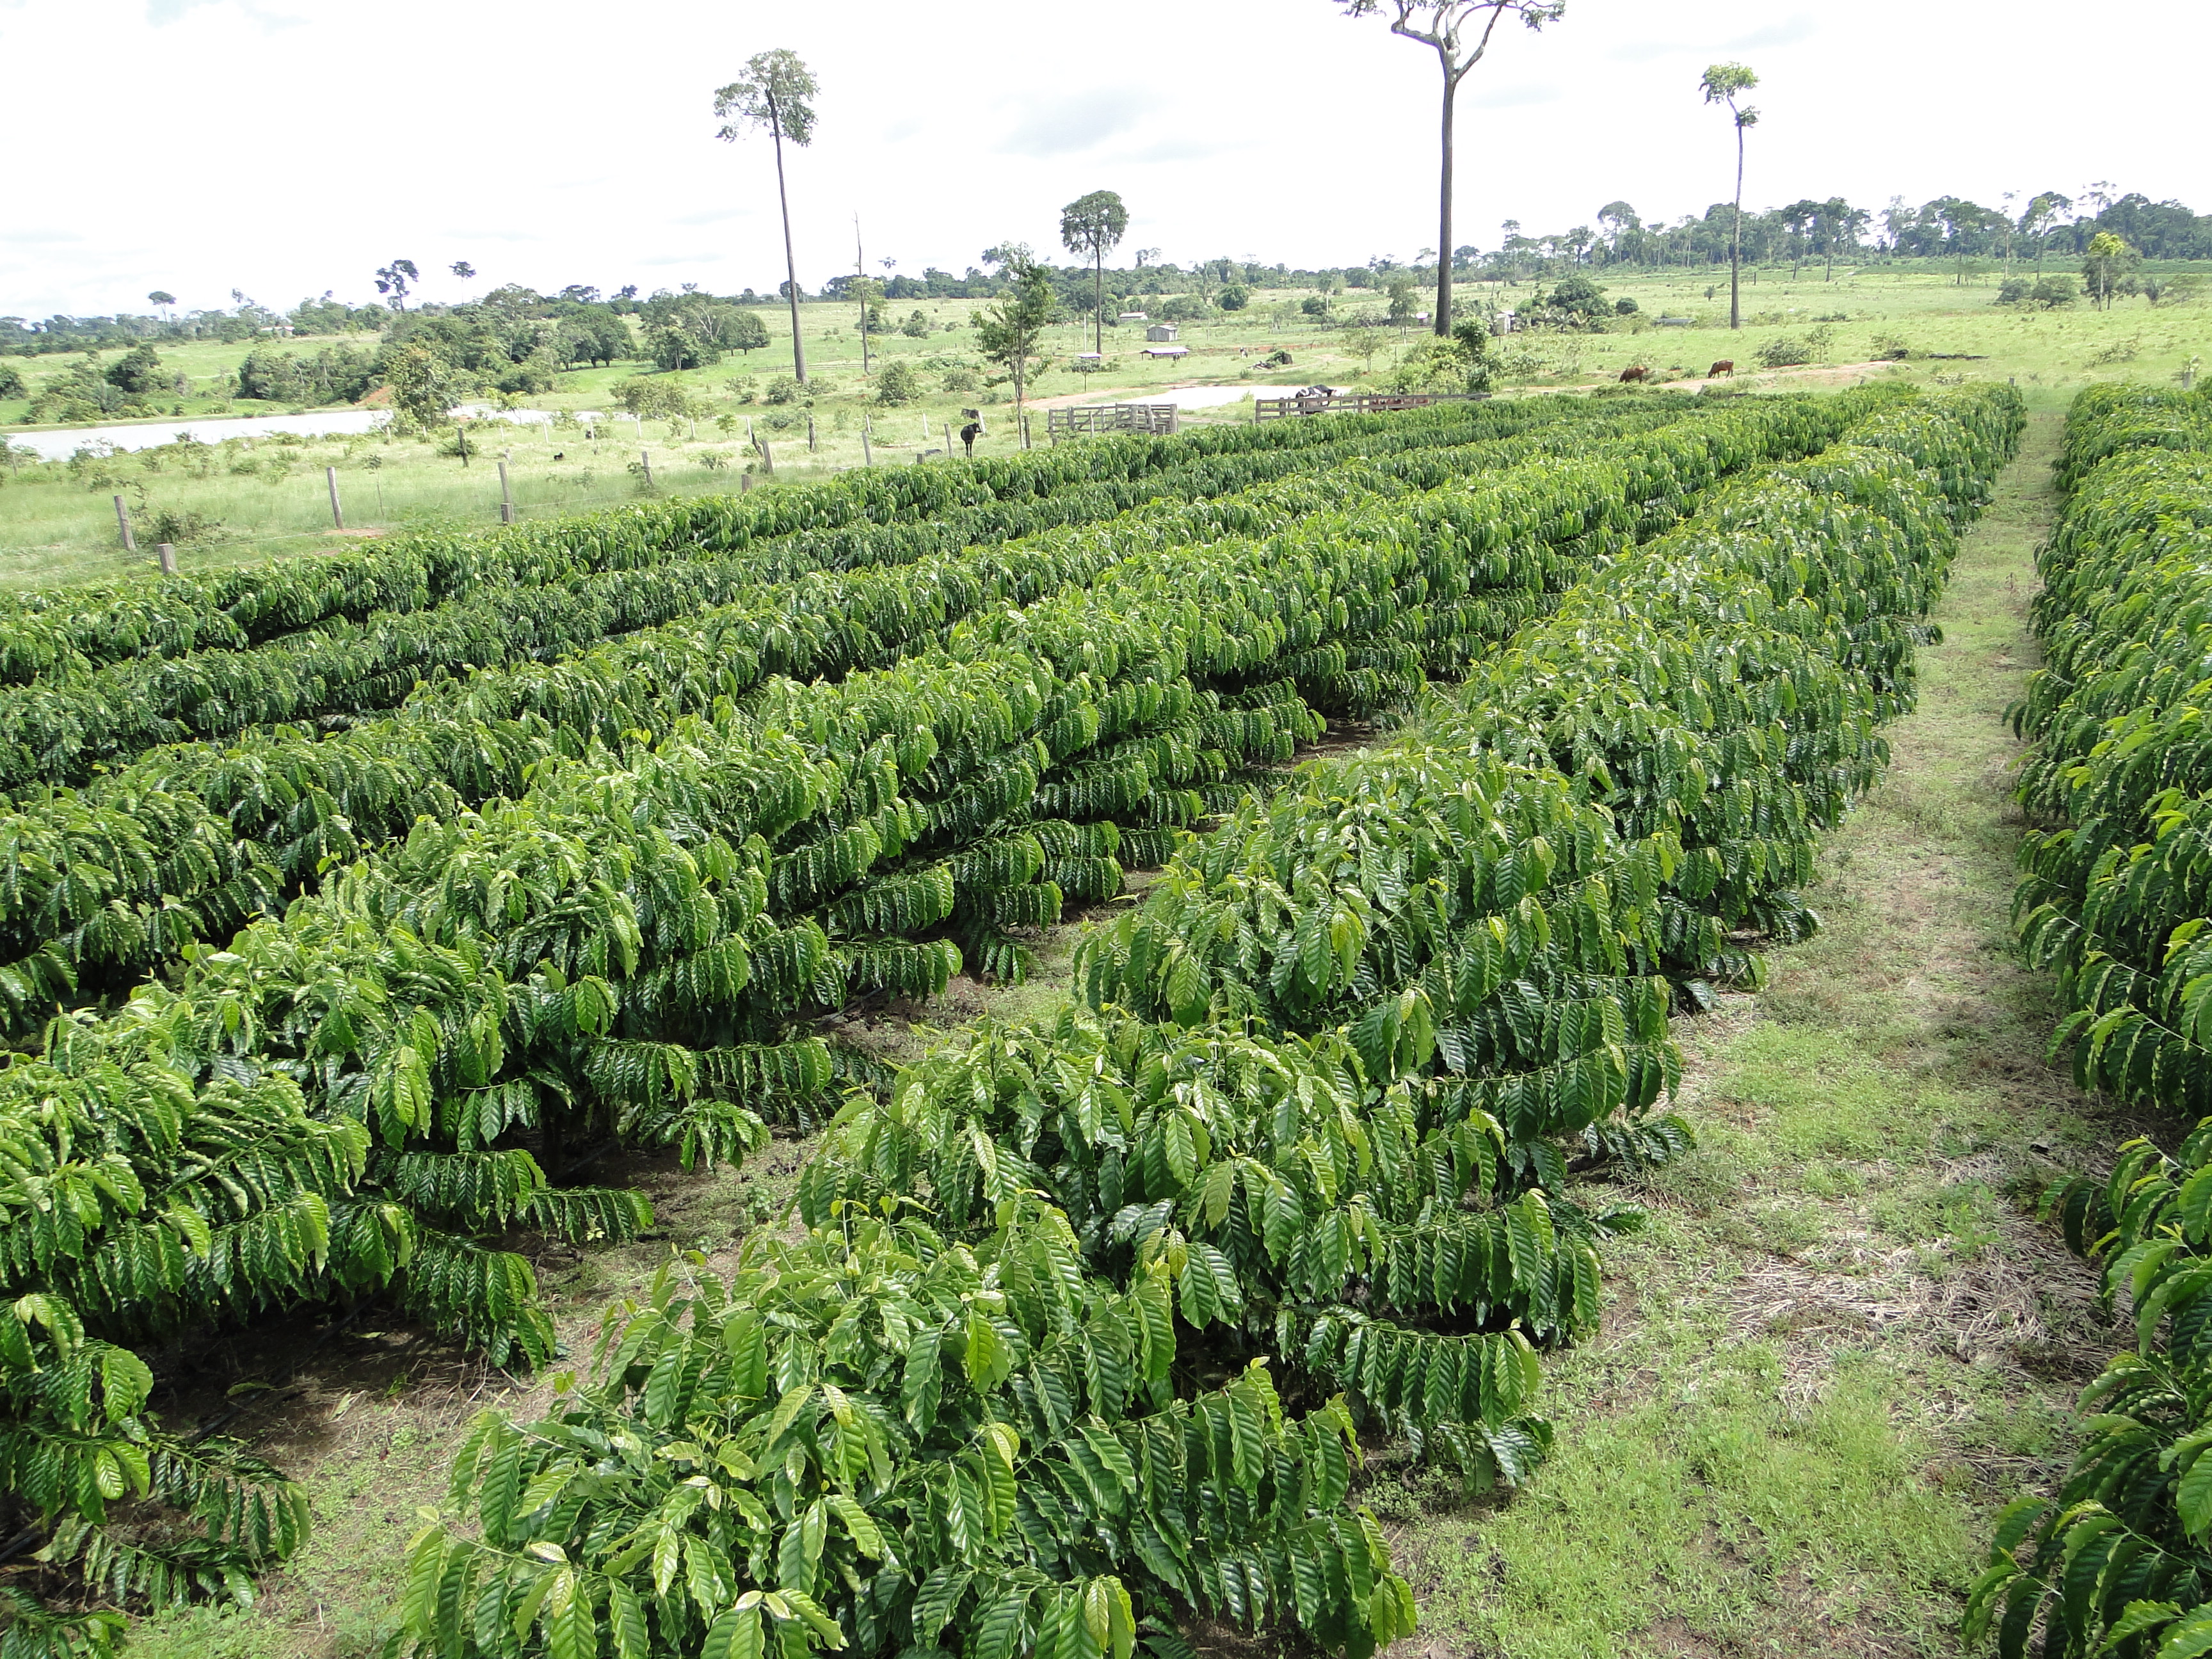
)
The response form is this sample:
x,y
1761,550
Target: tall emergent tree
x,y
775,95
163,298
1008,331
1459,31
1094,224
1723,83
392,280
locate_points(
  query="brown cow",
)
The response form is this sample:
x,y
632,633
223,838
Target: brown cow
x,y
1638,373
1726,366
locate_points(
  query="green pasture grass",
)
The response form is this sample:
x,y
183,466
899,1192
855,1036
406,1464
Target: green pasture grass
x,y
58,524
204,363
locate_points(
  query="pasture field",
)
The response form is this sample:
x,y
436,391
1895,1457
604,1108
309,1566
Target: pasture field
x,y
267,496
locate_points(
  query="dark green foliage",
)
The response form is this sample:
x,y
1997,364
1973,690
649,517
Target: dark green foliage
x,y
2114,896
638,875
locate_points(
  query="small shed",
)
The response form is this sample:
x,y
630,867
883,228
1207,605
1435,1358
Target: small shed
x,y
1167,351
1503,322
1161,332
1128,317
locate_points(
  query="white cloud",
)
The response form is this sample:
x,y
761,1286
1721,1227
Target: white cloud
x,y
1788,32
290,146
1068,126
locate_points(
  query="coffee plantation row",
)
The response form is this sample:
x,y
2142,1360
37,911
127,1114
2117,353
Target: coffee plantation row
x,y
2116,898
183,843
1321,1102
862,517
1315,1103
64,731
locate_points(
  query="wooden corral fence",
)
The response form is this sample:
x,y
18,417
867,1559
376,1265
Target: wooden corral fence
x,y
1157,418
1320,402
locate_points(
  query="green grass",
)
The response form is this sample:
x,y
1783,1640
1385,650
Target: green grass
x,y
1843,1342
58,524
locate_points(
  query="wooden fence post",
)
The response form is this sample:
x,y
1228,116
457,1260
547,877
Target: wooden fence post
x,y
123,522
644,461
337,514
167,552
507,493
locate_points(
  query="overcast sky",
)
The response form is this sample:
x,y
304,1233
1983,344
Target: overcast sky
x,y
284,147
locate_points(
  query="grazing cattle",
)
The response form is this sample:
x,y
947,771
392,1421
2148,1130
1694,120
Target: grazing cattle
x,y
1726,366
1638,373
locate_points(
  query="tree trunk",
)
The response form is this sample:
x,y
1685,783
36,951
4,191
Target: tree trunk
x,y
790,262
1444,208
1736,241
1098,300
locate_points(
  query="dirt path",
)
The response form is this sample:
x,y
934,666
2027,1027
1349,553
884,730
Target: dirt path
x,y
1843,1341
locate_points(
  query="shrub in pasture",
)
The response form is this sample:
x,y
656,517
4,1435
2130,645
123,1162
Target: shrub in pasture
x,y
898,384
2044,294
137,372
654,399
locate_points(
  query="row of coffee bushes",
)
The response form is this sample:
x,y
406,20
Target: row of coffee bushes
x,y
869,516
1320,1108
629,951
2116,898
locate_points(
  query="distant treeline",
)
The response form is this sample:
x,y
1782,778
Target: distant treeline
x,y
2049,224
535,334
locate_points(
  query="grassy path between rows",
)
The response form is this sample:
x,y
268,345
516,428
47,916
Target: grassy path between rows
x,y
1843,1341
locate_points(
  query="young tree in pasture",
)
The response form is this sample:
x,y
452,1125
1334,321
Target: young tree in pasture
x,y
1008,330
1094,224
775,96
748,332
1459,31
1402,301
392,280
1725,84
2108,268
424,387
